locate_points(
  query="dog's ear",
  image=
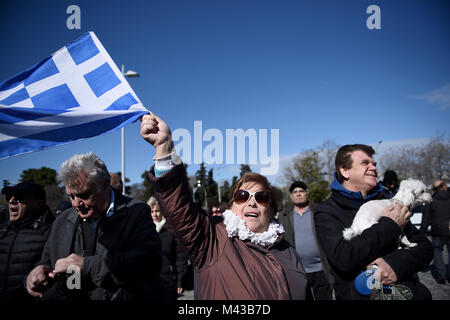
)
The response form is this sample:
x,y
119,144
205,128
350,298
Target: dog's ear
x,y
421,193
407,184
410,198
412,185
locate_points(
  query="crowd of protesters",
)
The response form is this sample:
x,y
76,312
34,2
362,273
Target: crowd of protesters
x,y
103,245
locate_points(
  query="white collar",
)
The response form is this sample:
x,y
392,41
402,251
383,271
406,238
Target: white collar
x,y
160,224
236,228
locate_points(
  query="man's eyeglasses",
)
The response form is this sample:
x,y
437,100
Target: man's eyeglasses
x,y
242,196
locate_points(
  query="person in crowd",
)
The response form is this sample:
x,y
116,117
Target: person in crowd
x,y
390,184
356,183
243,255
62,206
174,261
437,214
22,237
218,208
104,248
300,232
116,182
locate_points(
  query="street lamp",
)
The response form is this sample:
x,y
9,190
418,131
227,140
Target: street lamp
x,y
218,183
130,74
376,151
199,185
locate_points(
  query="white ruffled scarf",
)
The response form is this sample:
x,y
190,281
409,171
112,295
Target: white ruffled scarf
x,y
160,224
236,228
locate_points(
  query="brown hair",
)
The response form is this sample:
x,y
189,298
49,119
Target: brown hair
x,y
344,157
257,178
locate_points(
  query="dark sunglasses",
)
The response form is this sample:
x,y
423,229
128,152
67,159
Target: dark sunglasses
x,y
242,196
18,198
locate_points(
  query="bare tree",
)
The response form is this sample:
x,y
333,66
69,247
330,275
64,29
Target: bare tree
x,y
426,162
139,191
438,156
328,151
54,195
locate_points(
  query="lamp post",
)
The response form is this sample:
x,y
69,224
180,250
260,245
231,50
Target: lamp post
x,y
199,185
129,74
218,183
378,155
206,198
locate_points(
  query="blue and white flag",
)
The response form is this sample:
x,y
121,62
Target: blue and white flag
x,y
76,93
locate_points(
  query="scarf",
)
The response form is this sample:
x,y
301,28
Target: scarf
x,y
356,197
236,227
160,224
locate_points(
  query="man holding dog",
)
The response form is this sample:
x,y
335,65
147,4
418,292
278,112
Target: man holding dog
x,y
356,183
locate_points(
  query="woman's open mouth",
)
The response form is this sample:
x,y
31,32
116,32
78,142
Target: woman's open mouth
x,y
251,215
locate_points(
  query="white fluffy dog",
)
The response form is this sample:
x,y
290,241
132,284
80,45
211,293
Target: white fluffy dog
x,y
410,193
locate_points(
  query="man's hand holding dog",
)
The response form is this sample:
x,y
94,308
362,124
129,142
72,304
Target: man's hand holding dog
x,y
398,212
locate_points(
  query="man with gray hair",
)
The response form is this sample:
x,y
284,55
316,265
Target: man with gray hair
x,y
107,240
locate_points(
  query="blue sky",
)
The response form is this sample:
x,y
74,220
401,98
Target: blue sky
x,y
311,69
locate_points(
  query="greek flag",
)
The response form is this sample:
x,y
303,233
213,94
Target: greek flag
x,y
76,93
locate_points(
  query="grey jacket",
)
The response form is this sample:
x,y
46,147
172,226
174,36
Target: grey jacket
x,y
286,218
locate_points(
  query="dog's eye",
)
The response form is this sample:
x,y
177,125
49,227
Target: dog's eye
x,y
422,191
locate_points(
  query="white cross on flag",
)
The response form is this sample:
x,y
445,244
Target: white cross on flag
x,y
76,93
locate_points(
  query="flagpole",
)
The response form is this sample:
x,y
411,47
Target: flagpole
x,y
123,159
123,147
129,74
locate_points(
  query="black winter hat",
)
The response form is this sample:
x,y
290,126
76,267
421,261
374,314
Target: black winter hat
x,y
25,190
298,184
390,177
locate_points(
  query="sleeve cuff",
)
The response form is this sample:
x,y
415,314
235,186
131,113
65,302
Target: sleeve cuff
x,y
164,164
